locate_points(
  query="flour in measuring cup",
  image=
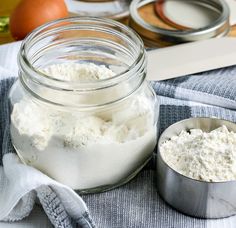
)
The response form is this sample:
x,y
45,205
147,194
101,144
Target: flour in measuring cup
x,y
202,156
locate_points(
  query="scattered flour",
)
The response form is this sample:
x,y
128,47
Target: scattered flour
x,y
202,156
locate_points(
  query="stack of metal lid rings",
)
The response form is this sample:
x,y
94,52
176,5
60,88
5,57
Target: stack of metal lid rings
x,y
172,32
157,26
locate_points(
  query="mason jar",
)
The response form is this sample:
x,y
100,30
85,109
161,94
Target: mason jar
x,y
90,135
114,9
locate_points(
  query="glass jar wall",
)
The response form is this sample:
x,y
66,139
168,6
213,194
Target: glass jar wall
x,y
89,135
113,9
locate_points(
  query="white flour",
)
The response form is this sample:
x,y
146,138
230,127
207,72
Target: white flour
x,y
84,150
202,156
78,72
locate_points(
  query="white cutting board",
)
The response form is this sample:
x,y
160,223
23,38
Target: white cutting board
x,y
188,14
190,58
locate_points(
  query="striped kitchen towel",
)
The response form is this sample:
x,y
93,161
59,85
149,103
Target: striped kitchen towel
x,y
216,87
134,205
137,204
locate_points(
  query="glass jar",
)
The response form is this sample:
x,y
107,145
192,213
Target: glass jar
x,y
114,9
91,136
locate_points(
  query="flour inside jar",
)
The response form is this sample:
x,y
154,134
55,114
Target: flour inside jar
x,y
92,148
78,72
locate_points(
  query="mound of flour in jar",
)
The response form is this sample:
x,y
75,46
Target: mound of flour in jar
x,y
84,149
84,72
202,156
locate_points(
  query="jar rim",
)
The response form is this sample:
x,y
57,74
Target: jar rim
x,y
53,26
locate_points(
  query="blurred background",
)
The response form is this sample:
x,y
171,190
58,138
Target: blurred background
x,y
6,8
19,17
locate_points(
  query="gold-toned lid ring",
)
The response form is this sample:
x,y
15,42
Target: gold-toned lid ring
x,y
219,27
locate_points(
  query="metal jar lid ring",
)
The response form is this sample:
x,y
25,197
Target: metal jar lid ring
x,y
217,28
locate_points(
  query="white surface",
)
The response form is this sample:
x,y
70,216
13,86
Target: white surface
x,y
189,58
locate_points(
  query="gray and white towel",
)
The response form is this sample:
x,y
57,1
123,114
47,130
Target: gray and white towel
x,y
20,184
136,204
